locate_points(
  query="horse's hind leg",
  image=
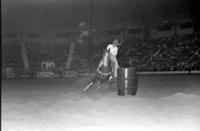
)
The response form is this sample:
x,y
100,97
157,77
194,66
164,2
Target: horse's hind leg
x,y
98,85
108,84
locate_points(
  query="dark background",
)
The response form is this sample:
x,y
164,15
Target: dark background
x,y
61,14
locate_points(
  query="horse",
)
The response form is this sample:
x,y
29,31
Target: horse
x,y
103,74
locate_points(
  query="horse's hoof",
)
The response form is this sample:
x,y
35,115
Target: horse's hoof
x,y
106,87
84,90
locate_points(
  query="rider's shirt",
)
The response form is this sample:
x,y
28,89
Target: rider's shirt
x,y
113,49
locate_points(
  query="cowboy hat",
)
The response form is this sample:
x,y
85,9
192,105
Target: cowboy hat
x,y
115,41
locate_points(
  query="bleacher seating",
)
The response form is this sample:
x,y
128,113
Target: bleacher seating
x,y
174,53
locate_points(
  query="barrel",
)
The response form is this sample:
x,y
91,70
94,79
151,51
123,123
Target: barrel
x,y
126,81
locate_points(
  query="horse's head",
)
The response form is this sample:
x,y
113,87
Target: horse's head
x,y
106,67
106,58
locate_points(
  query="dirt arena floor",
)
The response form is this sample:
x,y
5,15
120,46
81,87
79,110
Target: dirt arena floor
x,y
162,103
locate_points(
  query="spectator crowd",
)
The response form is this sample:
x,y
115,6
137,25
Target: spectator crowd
x,y
177,53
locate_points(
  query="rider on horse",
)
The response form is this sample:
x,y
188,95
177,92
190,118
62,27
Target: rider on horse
x,y
103,73
113,49
107,68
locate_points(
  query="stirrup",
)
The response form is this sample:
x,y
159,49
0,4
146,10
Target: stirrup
x,y
114,79
110,78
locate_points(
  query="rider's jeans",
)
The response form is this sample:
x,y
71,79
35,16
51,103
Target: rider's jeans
x,y
116,65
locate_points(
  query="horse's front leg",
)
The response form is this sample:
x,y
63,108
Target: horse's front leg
x,y
87,87
109,82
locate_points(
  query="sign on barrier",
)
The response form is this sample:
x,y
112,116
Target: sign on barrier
x,y
10,72
70,74
45,74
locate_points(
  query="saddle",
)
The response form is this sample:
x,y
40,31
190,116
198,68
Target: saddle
x,y
104,72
